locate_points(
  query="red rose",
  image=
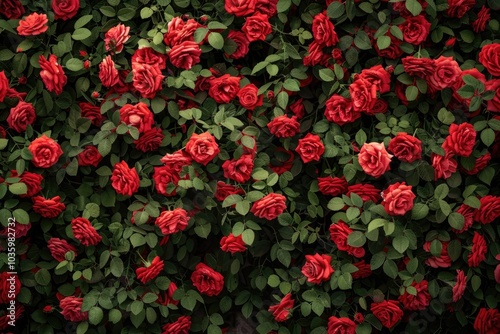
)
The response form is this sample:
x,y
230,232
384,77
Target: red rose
x,y
249,97
367,192
65,9
398,199
339,233
415,29
202,148
233,244
185,55
267,7
177,160
90,156
494,103
339,110
418,67
460,83
7,281
33,182
479,24
445,74
59,247
71,309
150,271
323,30
310,148
139,116
92,112
108,74
332,186
282,311
22,115
478,251
297,108
318,268
33,25
394,50
52,74
124,180
12,9
374,159
147,79
458,8
459,287
363,94
48,208
417,302
315,55
150,140
242,44
257,27
116,37
388,312
487,321
378,76
468,214
85,232
364,270
224,89
400,7
46,151
269,207
461,140
181,326
168,296
406,147
441,261
4,86
443,166
489,209
180,31
239,170
163,177
223,190
341,326
488,57
173,221
206,280
149,56
240,7
479,164
284,127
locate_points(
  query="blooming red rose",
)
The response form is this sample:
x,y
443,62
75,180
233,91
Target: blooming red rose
x,y
479,24
149,56
239,170
124,180
65,9
415,29
468,214
341,326
394,50
284,127
223,190
445,74
257,27
180,326
378,76
185,55
417,302
461,139
242,44
315,55
443,166
8,280
388,312
310,148
20,230
85,232
363,94
108,74
139,116
297,108
323,30
339,110
202,148
269,207
90,156
59,247
318,268
494,103
374,159
92,112
48,207
162,177
168,296
339,233
487,321
150,271
458,8
71,309
150,140
22,115
418,67
406,147
233,244
479,164
249,97
11,9
489,209
172,221
52,74
33,182
147,79
206,280
367,192
177,160
282,311
240,7
4,86
33,25
459,287
267,7
364,270
224,88
332,186
180,31
488,57
398,199
478,251
116,37
46,151
442,261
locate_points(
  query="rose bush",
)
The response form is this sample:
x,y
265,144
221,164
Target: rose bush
x,y
292,166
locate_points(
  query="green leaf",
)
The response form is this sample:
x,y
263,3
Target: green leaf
x,y
413,6
21,216
383,42
362,40
390,268
291,85
116,267
488,136
146,13
215,40
83,20
456,220
419,211
411,93
401,243
126,14
81,34
18,188
356,239
95,315
42,277
326,75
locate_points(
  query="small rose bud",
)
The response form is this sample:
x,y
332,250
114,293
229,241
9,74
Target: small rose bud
x,y
95,95
48,309
451,42
270,94
23,80
18,50
83,53
185,16
359,318
204,18
86,64
389,69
